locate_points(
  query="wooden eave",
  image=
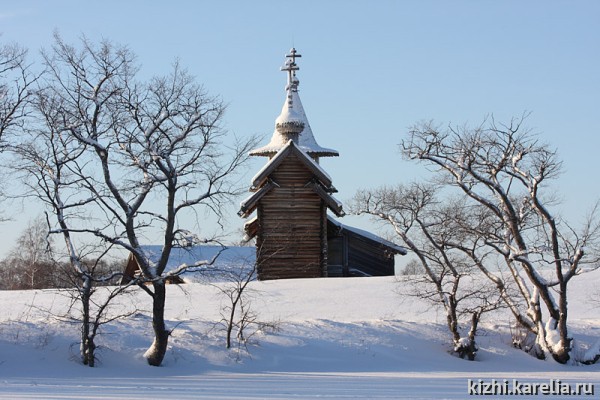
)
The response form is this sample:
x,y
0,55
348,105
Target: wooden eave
x,y
248,206
292,149
332,203
251,228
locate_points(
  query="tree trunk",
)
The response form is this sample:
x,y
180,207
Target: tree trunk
x,y
156,353
472,347
230,327
88,346
451,317
563,355
88,355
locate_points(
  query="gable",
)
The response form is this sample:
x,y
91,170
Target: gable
x,y
292,149
291,167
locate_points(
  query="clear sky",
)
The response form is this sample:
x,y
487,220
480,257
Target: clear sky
x,y
369,70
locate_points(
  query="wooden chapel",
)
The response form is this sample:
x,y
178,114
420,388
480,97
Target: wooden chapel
x,y
292,194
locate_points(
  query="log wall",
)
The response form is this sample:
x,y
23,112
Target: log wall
x,y
351,254
368,257
291,232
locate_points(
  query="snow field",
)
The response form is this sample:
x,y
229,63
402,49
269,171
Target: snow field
x,y
348,338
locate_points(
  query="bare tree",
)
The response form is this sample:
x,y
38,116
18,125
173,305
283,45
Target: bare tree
x,y
88,289
236,313
47,159
506,169
153,154
412,267
15,83
30,260
239,319
16,80
429,229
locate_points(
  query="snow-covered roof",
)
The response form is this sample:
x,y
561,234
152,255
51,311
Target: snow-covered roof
x,y
231,257
248,204
262,185
368,235
293,111
288,147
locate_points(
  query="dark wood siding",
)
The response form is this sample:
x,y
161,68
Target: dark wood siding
x,y
336,259
368,257
351,254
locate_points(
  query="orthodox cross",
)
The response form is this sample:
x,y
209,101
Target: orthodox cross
x,y
290,65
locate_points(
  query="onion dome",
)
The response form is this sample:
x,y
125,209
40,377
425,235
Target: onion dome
x,y
292,122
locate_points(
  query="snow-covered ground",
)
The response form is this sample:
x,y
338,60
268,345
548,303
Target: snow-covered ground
x,y
353,338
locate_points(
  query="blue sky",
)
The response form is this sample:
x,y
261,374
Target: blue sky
x,y
369,70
